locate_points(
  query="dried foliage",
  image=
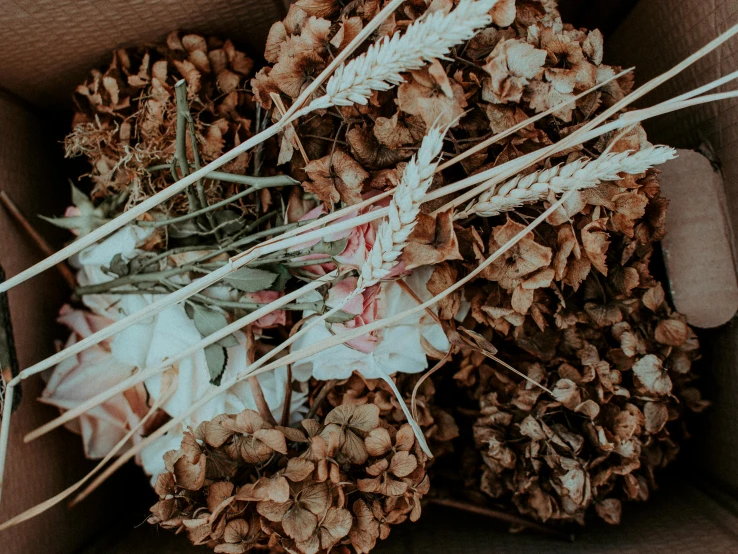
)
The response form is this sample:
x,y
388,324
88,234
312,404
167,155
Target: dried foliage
x,y
126,115
238,483
574,306
577,310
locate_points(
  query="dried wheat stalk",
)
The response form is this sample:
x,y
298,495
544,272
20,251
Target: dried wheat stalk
x,y
393,234
381,67
577,175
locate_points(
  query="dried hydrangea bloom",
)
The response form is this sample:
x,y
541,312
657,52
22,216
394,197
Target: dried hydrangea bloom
x,y
343,482
125,120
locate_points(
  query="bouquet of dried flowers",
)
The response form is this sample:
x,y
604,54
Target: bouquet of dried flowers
x,y
437,249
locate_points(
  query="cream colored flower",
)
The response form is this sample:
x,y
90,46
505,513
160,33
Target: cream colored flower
x,y
398,347
88,374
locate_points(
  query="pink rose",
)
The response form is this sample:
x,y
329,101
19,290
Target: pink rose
x,y
277,318
365,308
91,372
73,211
360,241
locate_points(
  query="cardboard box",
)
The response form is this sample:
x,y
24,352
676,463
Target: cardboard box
x,y
48,46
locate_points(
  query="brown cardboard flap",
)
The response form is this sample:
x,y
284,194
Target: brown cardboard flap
x,y
48,47
41,469
697,248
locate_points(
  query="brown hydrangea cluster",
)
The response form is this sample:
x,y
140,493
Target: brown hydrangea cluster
x,y
126,116
238,483
576,309
438,425
524,64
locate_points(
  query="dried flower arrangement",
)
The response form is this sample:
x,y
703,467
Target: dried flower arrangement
x,y
261,344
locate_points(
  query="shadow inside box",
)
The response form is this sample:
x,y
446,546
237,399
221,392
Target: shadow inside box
x,y
679,518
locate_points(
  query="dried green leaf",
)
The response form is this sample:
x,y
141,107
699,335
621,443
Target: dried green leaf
x,y
250,279
217,358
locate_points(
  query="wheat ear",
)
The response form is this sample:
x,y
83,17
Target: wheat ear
x,y
381,67
577,175
393,233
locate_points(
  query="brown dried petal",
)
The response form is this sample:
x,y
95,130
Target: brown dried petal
x,y
188,475
503,14
651,373
567,392
656,414
336,177
403,464
248,422
298,469
273,511
273,438
595,242
378,442
654,298
335,525
610,510
672,332
362,418
299,523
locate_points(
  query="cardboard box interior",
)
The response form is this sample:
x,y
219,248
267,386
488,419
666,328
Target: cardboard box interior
x,y
49,46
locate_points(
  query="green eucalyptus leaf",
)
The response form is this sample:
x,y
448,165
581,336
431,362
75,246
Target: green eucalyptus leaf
x,y
330,248
228,342
206,320
81,200
84,224
341,317
283,275
251,279
217,358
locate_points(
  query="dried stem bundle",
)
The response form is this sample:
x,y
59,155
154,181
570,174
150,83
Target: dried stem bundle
x,y
4,443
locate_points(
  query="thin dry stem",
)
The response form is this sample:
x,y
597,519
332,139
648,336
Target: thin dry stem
x,y
496,514
36,237
277,99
